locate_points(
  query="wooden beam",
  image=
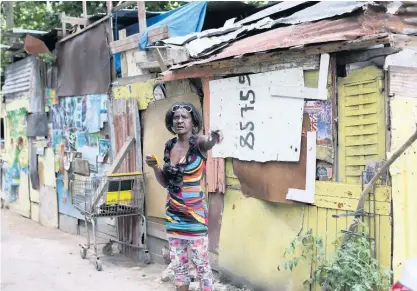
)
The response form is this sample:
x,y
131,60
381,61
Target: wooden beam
x,y
160,60
123,5
109,6
259,63
154,64
158,30
122,45
74,20
404,41
123,59
158,34
142,16
131,80
363,42
350,57
85,14
85,29
323,76
64,25
131,41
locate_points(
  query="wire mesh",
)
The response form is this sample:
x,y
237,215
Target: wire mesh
x,y
108,196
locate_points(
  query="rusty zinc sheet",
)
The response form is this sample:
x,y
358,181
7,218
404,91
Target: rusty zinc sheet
x,y
84,63
270,181
324,31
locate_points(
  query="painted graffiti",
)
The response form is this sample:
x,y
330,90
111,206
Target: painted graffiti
x,y
17,151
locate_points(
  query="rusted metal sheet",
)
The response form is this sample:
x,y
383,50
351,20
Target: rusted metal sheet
x,y
270,181
307,33
323,10
18,77
352,28
277,8
215,173
84,63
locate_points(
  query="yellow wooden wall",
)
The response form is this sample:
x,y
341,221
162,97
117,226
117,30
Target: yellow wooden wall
x,y
255,233
142,91
361,135
404,182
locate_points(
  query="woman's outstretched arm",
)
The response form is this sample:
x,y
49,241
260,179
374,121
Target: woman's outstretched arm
x,y
206,143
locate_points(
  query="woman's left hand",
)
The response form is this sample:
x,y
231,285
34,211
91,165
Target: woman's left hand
x,y
218,133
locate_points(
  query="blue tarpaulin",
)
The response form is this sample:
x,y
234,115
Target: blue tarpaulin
x,y
181,21
185,20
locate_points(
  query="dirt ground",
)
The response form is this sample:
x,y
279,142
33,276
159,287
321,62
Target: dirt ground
x,y
35,258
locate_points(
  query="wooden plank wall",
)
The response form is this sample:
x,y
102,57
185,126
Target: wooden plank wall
x,y
331,199
125,117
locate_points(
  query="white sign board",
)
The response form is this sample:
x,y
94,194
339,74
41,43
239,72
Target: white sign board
x,y
256,125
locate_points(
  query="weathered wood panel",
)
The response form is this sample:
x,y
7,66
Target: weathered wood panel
x,y
361,109
402,81
155,136
246,112
215,176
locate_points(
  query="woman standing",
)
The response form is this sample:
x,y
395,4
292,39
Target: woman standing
x,y
186,205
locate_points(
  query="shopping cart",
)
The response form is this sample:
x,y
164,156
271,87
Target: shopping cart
x,y
111,196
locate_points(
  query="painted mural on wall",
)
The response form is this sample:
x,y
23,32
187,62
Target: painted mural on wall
x,y
17,152
320,113
78,127
65,203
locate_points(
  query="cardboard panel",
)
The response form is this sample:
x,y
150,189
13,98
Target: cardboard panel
x,y
48,207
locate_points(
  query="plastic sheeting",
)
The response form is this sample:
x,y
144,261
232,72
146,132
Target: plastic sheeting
x,y
187,19
181,21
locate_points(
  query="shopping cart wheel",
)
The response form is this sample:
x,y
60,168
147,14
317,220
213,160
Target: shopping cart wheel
x,y
83,253
148,258
99,266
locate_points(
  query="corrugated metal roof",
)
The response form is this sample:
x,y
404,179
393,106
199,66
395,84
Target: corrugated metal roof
x,y
324,31
199,44
280,7
206,45
320,23
323,10
18,77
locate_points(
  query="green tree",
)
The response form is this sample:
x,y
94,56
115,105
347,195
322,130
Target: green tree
x,y
38,15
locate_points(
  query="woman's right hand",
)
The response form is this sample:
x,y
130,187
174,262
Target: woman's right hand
x,y
151,161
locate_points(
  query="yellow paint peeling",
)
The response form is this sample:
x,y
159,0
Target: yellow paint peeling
x,y
255,233
142,91
361,122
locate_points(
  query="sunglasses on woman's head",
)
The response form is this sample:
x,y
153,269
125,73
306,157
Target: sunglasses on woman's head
x,y
185,107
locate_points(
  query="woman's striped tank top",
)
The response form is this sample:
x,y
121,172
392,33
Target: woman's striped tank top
x,y
186,204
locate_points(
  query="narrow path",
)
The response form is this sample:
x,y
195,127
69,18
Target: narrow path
x,y
36,258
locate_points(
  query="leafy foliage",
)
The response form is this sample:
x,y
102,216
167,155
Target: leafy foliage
x,y
352,266
42,15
